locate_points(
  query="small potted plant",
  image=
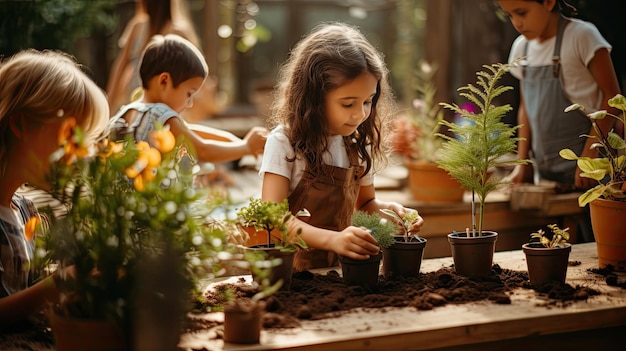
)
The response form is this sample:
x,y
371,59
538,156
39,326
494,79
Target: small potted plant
x,y
243,316
470,155
607,200
272,218
126,204
547,256
404,256
418,140
365,272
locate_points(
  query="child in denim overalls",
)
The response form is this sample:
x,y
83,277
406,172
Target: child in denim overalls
x,y
332,109
565,60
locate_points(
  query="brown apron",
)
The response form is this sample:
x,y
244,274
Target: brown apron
x,y
330,199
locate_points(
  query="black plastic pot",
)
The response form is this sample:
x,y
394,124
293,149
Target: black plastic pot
x,y
473,256
403,258
361,272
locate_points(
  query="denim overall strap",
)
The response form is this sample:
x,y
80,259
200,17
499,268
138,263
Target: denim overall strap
x,y
552,128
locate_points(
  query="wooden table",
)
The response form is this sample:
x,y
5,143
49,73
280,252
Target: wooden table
x,y
598,323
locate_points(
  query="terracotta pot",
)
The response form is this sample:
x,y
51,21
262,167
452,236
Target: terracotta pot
x,y
255,237
609,228
75,334
429,183
243,321
361,272
282,271
546,264
473,256
403,258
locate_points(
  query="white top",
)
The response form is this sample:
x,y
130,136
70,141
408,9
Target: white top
x,y
278,148
580,42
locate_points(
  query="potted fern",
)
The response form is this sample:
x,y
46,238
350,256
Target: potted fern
x,y
470,155
547,256
365,272
607,200
418,140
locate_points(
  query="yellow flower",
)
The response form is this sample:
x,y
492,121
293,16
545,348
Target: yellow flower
x,y
145,167
72,140
30,227
162,139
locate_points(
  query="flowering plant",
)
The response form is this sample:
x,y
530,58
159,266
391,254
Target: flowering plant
x,y
420,133
124,204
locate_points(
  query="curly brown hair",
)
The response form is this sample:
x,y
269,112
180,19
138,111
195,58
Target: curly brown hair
x,y
329,56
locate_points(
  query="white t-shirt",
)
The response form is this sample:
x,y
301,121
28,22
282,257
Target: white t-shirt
x,y
278,149
580,42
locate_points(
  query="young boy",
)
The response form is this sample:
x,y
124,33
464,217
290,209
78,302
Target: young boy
x,y
172,70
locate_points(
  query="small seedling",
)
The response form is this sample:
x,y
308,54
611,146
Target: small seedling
x,y
559,236
405,221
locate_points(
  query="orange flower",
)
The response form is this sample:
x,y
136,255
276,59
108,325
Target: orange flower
x,y
67,130
138,183
140,164
72,140
31,226
162,139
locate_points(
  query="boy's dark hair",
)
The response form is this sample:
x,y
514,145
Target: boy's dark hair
x,y
172,54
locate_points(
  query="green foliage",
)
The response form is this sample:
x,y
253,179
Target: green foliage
x,y
51,24
479,146
113,224
425,115
261,269
559,236
272,217
381,229
612,162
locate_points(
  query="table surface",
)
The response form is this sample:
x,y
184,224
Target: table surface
x,y
451,325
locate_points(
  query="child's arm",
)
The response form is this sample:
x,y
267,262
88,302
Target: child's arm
x,y
211,150
353,242
368,202
19,306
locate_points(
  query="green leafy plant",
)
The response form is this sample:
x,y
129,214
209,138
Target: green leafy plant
x,y
405,221
425,115
559,236
273,217
125,204
382,229
609,170
481,145
52,24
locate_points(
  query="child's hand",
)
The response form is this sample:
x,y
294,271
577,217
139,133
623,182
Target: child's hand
x,y
355,242
255,139
401,215
416,225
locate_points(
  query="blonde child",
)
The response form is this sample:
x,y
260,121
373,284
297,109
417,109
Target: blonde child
x,y
332,113
172,71
38,91
565,60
